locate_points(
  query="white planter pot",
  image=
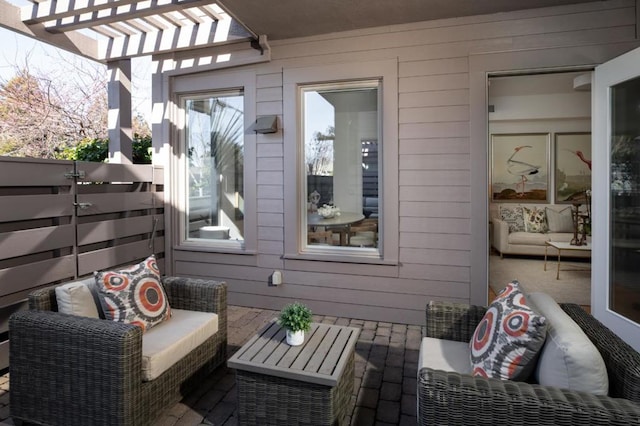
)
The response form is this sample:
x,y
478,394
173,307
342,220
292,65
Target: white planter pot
x,y
295,338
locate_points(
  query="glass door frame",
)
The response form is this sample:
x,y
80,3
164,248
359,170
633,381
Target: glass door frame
x,y
617,70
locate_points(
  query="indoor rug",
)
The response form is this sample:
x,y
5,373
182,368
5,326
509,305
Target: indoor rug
x,y
572,287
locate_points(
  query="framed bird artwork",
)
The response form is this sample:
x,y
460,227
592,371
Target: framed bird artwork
x,y
573,167
520,167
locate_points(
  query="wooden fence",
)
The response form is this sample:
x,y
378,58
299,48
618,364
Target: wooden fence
x,y
62,220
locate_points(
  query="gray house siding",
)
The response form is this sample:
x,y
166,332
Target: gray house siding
x,y
442,188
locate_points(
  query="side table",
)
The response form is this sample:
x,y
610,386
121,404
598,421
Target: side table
x,y
310,384
562,246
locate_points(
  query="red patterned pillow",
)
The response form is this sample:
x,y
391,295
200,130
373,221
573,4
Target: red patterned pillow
x,y
134,295
506,342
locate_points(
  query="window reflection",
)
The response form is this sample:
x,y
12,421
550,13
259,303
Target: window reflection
x,y
625,200
341,163
214,145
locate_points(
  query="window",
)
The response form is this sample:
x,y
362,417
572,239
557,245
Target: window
x,y
359,132
214,170
340,144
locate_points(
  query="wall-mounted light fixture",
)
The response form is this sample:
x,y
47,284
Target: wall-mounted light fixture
x,y
265,124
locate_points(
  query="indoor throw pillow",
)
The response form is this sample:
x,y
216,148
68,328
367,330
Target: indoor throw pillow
x,y
507,340
535,219
559,221
134,295
514,218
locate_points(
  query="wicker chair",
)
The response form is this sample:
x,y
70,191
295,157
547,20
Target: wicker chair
x,y
446,398
70,370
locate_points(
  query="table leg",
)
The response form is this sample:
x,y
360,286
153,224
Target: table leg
x,y
558,273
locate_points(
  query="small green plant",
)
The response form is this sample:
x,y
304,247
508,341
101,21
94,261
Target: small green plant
x,y
295,317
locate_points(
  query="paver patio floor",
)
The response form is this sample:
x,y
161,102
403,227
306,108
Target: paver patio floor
x,y
385,384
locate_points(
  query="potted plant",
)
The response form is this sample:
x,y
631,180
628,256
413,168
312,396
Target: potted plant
x,y
295,318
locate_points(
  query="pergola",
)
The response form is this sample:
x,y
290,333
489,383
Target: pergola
x,y
114,31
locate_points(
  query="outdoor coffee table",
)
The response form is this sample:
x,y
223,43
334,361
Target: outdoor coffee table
x,y
562,246
310,384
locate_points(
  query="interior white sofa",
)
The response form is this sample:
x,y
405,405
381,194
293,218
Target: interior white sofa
x,y
508,239
583,373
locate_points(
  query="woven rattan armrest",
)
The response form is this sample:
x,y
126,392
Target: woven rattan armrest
x,y
196,294
452,321
88,360
622,361
456,399
43,299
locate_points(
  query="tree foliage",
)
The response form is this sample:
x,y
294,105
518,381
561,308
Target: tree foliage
x,y
98,150
319,153
44,113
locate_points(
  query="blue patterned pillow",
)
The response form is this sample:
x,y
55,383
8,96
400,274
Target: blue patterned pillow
x,y
506,342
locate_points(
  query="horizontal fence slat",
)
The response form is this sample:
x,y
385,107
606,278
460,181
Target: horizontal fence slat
x,y
35,173
7,311
158,199
37,274
35,206
109,172
119,202
158,175
124,254
95,232
21,243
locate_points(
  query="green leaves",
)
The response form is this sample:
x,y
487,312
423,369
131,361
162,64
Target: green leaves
x,y
98,150
295,316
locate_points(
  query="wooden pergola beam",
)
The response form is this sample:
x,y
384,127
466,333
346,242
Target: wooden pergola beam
x,y
51,10
76,43
108,16
173,39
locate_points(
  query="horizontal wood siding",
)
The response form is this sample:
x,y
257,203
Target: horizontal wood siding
x,y
434,145
54,228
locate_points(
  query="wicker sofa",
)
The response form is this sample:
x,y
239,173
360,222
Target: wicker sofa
x,y
451,398
72,370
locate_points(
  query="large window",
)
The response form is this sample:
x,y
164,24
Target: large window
x,y
341,149
341,137
214,171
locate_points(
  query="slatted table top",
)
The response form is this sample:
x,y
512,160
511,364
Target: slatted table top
x,y
320,359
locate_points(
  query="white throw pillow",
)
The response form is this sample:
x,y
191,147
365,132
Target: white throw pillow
x,y
568,359
75,298
559,220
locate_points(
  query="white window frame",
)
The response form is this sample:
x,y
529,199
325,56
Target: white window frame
x,y
294,176
210,84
